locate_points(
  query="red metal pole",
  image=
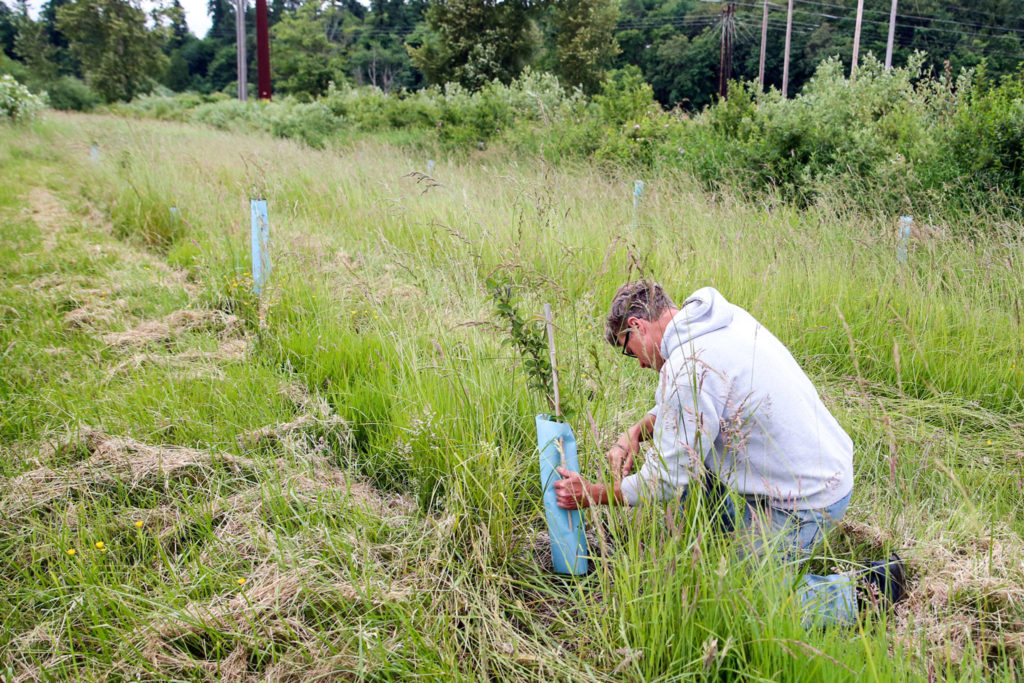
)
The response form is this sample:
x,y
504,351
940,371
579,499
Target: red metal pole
x,y
262,51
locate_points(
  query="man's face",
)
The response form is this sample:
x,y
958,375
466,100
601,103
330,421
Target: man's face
x,y
642,341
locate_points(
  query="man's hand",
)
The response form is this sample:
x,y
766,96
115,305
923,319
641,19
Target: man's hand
x,y
620,456
573,491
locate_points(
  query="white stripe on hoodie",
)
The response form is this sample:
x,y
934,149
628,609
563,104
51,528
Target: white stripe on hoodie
x,y
732,399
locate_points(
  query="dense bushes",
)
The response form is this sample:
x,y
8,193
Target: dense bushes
x,y
985,142
17,103
896,139
70,94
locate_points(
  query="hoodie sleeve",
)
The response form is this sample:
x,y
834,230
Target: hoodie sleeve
x,y
686,428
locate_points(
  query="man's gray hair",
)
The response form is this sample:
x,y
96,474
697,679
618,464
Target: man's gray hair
x,y
640,299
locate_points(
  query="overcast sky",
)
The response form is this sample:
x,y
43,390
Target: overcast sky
x,y
195,13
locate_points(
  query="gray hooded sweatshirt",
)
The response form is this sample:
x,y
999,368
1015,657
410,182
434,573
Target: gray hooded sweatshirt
x,y
732,400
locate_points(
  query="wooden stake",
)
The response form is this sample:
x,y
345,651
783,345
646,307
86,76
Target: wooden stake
x,y
785,58
892,35
856,37
764,43
243,64
551,350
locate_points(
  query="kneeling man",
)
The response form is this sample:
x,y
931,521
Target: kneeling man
x,y
733,409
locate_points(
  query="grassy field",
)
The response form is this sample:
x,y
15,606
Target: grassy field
x,y
339,480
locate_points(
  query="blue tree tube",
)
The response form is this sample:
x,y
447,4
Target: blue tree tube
x,y
260,243
557,444
904,235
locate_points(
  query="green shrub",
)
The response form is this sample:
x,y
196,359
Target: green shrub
x,y
624,96
224,113
835,134
71,94
17,103
985,142
312,123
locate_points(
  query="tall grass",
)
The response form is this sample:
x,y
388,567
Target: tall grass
x,y
404,543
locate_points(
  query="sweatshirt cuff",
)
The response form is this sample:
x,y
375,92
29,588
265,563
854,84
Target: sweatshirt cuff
x,y
630,488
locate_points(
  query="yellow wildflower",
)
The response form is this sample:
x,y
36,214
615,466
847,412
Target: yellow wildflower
x,y
71,552
99,545
241,582
138,524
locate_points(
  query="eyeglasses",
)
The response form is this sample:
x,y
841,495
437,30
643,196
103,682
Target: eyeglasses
x,y
625,343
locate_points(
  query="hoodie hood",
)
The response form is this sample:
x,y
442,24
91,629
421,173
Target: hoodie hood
x,y
704,311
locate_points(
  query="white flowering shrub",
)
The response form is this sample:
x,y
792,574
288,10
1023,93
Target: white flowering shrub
x,y
17,103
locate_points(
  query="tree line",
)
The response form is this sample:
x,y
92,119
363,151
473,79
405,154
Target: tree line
x,y
86,51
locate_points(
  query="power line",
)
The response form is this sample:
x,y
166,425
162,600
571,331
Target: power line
x,y
899,16
917,27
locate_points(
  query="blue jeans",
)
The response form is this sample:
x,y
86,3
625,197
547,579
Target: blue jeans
x,y
826,600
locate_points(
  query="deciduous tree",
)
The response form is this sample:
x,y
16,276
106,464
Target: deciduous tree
x,y
585,44
304,60
120,56
476,41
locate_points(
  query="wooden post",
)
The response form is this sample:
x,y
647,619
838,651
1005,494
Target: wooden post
x,y
892,36
243,81
551,351
262,51
764,44
785,59
721,52
856,37
730,30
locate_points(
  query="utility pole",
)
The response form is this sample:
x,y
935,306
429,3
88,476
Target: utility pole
x,y
243,85
725,59
856,37
262,51
764,43
892,36
785,60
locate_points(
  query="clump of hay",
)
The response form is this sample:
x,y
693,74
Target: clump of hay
x,y
173,325
326,478
963,594
308,437
110,460
275,603
94,315
288,433
230,351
